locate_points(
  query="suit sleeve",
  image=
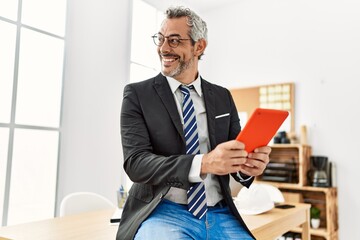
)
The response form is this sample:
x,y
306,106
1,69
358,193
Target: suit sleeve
x,y
141,139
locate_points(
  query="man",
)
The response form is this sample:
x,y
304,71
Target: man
x,y
177,135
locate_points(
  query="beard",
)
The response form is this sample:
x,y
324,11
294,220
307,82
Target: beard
x,y
181,68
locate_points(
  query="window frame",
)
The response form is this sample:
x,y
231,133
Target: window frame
x,y
12,126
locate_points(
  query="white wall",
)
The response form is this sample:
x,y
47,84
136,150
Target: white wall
x,y
315,44
312,43
96,68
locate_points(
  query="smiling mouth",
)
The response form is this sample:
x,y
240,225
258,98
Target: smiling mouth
x,y
169,59
167,62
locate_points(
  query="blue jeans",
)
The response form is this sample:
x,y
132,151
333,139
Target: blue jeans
x,y
173,221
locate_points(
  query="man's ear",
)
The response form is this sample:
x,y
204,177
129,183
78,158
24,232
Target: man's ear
x,y
200,46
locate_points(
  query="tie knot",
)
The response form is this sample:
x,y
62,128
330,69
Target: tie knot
x,y
186,89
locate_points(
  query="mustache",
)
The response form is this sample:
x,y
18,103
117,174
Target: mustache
x,y
169,55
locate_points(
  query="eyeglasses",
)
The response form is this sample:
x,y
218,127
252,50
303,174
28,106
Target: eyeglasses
x,y
173,40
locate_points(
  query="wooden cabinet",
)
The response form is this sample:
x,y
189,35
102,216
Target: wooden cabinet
x,y
326,200
289,164
296,189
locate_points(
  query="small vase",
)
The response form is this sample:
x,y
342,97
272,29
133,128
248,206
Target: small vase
x,y
315,223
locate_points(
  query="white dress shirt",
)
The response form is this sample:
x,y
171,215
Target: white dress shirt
x,y
212,186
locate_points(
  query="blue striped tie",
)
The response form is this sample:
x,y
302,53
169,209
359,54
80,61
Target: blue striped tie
x,y
196,194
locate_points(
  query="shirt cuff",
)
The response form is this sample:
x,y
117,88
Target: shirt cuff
x,y
243,179
194,174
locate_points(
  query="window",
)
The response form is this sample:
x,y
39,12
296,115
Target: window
x,y
33,175
39,79
146,21
9,9
4,144
7,56
31,63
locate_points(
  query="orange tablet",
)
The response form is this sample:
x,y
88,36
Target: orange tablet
x,y
261,128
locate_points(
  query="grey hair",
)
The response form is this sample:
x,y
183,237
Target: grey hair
x,y
198,28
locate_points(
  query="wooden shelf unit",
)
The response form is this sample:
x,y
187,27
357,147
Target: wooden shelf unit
x,y
326,200
297,154
323,198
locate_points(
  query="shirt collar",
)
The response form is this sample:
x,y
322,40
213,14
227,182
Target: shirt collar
x,y
174,84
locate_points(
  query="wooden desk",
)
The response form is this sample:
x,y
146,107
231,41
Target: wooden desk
x,y
96,225
272,224
85,226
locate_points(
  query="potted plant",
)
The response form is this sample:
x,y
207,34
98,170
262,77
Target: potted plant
x,y
315,217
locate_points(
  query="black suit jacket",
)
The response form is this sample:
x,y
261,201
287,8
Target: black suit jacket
x,y
154,145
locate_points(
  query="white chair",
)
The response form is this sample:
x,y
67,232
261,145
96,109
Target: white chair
x,y
79,202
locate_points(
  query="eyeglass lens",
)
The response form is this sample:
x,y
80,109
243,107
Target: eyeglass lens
x,y
173,41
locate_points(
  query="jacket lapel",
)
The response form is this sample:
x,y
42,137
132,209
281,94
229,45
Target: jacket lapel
x,y
163,90
209,99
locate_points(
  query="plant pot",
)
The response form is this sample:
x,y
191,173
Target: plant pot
x,y
315,222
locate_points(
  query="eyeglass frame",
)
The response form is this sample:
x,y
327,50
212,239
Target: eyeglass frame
x,y
178,37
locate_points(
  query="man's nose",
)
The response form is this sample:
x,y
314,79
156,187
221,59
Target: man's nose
x,y
165,47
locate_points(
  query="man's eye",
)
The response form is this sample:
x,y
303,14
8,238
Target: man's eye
x,y
174,40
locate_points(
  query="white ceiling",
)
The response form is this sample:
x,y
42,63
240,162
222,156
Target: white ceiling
x,y
197,5
208,5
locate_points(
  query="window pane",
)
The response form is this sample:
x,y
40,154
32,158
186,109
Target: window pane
x,y
33,175
40,79
7,56
4,141
144,25
139,73
45,15
9,9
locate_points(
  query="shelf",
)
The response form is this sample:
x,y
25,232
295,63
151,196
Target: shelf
x,y
325,198
291,161
321,232
303,188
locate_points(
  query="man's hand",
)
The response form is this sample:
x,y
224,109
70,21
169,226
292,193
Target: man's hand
x,y
227,157
230,157
256,161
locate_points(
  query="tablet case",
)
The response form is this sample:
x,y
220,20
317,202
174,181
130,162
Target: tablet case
x,y
261,127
